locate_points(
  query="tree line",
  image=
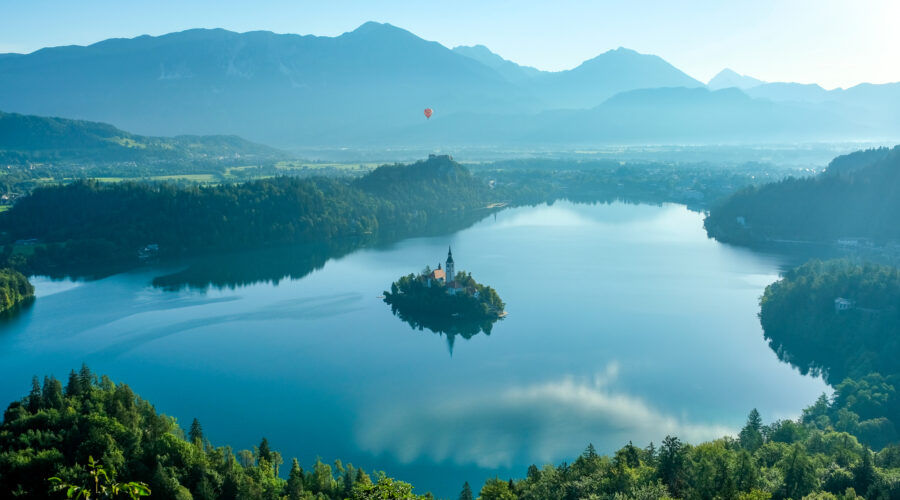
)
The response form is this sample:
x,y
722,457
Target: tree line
x,y
60,431
64,430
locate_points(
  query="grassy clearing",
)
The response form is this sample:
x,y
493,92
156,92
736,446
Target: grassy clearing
x,y
296,165
201,178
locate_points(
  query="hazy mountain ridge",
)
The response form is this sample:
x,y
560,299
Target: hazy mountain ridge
x,y
260,85
513,72
369,86
730,78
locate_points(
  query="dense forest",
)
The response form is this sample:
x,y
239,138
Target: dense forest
x,y
14,289
841,319
89,222
800,320
857,197
56,430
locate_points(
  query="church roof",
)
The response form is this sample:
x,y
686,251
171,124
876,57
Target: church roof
x,y
449,255
438,274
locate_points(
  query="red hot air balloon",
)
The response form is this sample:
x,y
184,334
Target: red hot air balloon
x,y
428,112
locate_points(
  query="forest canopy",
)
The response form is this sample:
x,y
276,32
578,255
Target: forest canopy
x,y
89,221
14,289
57,429
858,196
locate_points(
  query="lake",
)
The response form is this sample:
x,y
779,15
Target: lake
x,y
625,323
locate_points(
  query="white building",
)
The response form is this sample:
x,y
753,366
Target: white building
x,y
842,304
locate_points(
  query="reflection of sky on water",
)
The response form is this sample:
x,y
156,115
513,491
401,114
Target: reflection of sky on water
x,y
321,367
545,421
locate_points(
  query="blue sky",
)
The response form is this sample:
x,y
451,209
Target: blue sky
x,y
833,43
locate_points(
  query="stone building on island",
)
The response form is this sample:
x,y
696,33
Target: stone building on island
x,y
447,277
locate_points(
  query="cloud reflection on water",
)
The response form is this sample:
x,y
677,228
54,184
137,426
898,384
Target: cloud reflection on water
x,y
544,422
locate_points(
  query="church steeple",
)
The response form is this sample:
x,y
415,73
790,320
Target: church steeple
x,y
451,272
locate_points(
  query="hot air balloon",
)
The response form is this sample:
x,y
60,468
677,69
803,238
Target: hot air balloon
x,y
428,112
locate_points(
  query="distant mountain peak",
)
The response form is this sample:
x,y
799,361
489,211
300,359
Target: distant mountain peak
x,y
375,28
730,78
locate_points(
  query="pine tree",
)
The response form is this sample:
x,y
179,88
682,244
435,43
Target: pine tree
x,y
295,481
466,493
671,464
751,437
53,394
265,453
864,474
195,435
349,480
35,398
73,387
650,454
362,478
85,379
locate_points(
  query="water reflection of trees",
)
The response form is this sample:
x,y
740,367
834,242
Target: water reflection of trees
x,y
268,265
450,327
271,265
13,313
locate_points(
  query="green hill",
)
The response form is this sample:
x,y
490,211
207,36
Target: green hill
x,y
857,197
28,138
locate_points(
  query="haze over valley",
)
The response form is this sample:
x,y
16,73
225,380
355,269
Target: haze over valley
x,y
361,89
238,261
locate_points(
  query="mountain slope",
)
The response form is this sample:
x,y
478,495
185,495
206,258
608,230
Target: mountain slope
x,y
274,88
676,115
37,138
608,74
513,72
368,88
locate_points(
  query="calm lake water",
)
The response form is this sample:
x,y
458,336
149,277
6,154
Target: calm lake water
x,y
625,323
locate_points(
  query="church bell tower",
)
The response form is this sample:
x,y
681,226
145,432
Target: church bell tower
x,y
449,269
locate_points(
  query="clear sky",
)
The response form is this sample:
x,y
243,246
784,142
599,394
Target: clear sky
x,y
830,42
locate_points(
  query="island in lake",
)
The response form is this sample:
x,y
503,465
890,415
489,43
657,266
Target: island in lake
x,y
445,301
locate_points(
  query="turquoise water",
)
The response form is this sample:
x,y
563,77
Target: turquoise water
x,y
625,323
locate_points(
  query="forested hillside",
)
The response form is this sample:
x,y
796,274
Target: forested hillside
x,y
858,196
842,320
56,430
90,222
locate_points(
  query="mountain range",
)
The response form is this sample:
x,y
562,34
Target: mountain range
x,y
369,87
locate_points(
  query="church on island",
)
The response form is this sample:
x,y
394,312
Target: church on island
x,y
447,277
